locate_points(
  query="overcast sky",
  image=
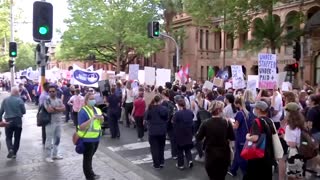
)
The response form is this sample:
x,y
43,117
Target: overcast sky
x,y
24,31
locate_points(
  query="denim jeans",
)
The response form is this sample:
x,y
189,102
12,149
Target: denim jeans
x,y
53,133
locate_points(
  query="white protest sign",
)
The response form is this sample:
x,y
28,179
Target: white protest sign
x,y
111,75
86,78
141,76
255,78
208,85
150,75
227,85
267,64
237,77
251,86
281,78
163,76
286,86
133,71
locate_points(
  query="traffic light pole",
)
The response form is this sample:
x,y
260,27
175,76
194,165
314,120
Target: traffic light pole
x,y
43,63
12,40
302,60
177,49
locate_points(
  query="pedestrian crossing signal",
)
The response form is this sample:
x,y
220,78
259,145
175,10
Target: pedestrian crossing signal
x,y
153,29
12,49
42,21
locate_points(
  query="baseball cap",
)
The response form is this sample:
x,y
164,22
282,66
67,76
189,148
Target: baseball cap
x,y
292,107
260,105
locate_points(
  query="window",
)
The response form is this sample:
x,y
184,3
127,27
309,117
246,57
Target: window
x,y
317,70
207,39
201,73
201,38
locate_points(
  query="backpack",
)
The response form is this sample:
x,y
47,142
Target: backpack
x,y
172,109
308,146
202,113
43,116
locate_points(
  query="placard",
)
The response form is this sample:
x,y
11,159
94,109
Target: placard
x,y
111,76
267,67
281,78
208,85
218,82
237,77
286,86
227,85
141,76
149,75
255,78
133,71
251,86
163,76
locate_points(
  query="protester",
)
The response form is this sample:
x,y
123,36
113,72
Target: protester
x,y
313,116
24,93
229,112
261,168
89,128
66,95
248,99
76,101
156,118
139,107
128,102
218,132
55,107
13,109
43,97
183,131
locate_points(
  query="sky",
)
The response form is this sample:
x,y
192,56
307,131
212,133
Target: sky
x,y
24,30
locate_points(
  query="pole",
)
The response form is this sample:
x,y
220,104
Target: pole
x,y
301,59
43,63
12,40
177,48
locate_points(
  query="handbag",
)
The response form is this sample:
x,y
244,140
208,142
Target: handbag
x,y
276,143
254,150
43,116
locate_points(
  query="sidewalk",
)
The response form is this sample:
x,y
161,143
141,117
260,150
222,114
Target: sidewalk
x,y
30,163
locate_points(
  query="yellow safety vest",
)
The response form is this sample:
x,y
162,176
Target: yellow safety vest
x,y
94,129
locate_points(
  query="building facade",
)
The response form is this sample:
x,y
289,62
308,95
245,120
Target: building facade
x,y
201,47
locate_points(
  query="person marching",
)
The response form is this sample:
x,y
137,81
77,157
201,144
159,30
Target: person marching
x,y
89,129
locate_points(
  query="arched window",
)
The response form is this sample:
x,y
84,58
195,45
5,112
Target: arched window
x,y
317,67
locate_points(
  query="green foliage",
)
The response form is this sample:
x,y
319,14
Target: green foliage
x,y
111,30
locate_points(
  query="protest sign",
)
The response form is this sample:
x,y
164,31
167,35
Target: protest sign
x,y
133,71
208,85
141,76
111,76
85,78
163,76
255,78
286,86
218,82
149,75
227,85
267,67
281,78
237,77
252,85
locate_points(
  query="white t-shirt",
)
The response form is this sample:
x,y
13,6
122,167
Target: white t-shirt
x,y
278,106
196,108
130,95
292,135
228,112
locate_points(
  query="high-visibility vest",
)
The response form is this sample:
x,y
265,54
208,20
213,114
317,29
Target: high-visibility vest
x,y
94,129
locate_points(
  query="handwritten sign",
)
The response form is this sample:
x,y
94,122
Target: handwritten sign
x,y
207,85
267,64
237,77
133,71
218,82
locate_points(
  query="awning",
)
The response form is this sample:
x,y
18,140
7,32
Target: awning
x,y
313,23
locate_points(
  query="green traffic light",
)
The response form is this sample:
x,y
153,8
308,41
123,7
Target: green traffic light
x,y
156,33
13,53
43,30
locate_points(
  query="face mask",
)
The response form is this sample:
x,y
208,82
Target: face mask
x,y
92,102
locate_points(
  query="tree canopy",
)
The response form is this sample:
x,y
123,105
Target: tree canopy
x,y
113,31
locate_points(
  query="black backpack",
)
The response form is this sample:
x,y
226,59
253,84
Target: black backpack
x,y
308,148
202,114
43,116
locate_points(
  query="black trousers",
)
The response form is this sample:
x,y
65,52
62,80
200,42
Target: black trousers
x,y
44,136
184,151
10,133
173,143
89,151
140,126
157,144
128,109
75,118
67,112
114,124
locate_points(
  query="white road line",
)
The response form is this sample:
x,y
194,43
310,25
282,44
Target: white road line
x,y
132,146
143,159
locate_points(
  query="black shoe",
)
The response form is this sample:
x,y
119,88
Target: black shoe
x,y
161,166
190,164
156,167
10,154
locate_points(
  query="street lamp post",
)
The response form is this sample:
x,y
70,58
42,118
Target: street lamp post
x,y
177,48
12,40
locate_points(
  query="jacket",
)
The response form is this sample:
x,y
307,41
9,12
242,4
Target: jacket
x,y
157,117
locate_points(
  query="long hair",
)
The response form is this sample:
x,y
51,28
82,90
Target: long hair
x,y
248,96
154,101
230,98
295,119
240,101
216,107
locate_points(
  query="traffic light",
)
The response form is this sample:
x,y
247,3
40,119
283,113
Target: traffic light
x,y
153,29
11,63
12,49
295,67
42,21
297,51
39,56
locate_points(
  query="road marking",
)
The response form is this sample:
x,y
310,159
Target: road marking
x,y
132,146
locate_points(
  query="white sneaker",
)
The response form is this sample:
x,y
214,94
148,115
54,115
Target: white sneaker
x,y
199,159
58,157
49,160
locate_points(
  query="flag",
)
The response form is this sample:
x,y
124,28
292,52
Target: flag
x,y
210,73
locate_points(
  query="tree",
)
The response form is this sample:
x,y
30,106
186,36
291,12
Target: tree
x,y
4,28
26,57
114,31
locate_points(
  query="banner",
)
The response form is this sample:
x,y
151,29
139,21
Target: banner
x,y
267,64
86,78
237,77
133,71
163,76
149,75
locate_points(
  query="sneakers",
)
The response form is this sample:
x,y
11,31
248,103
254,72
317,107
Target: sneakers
x,y
161,166
199,159
10,154
49,160
58,157
179,167
190,164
